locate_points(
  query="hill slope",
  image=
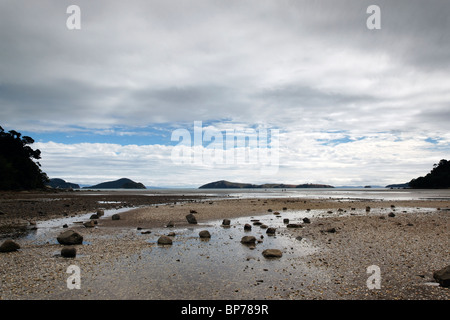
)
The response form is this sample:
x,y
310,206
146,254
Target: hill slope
x,y
223,184
61,184
438,178
123,183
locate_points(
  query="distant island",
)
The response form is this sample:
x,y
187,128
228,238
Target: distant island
x,y
223,184
123,183
398,186
57,183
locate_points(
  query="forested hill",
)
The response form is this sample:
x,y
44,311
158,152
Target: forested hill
x,y
438,178
223,184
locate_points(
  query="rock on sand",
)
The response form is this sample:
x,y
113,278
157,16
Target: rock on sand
x,y
204,234
68,252
443,276
70,237
248,240
272,253
191,219
9,246
164,240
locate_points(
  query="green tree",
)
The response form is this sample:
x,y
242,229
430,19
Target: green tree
x,y
18,168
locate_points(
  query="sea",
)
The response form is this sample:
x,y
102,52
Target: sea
x,y
306,193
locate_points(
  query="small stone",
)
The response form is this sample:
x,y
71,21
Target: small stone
x,y
286,221
331,230
100,213
170,224
271,231
204,234
192,211
247,227
248,240
298,238
306,220
164,240
89,224
391,214
443,276
68,252
9,246
70,237
94,216
294,225
226,222
65,226
191,219
272,253
115,216
263,226
367,209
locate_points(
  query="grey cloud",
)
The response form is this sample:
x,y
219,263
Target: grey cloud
x,y
142,62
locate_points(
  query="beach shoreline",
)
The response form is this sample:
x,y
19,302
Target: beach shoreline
x,y
120,259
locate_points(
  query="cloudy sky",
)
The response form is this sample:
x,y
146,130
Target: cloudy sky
x,y
350,105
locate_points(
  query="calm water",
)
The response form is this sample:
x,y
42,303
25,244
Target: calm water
x,y
313,193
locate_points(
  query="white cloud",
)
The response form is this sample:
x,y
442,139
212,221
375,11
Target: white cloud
x,y
303,157
311,69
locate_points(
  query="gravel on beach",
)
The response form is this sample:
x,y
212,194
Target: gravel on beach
x,y
118,261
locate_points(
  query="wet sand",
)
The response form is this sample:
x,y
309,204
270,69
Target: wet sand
x,y
120,259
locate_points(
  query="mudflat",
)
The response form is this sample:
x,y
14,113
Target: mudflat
x,y
329,255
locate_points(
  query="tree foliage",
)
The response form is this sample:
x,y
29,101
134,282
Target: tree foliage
x,y
438,178
18,168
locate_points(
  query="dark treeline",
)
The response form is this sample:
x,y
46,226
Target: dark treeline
x,y
438,178
19,169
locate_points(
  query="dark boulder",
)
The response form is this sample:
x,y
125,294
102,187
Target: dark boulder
x,y
115,216
164,240
9,246
70,237
272,253
204,234
443,276
68,252
191,219
248,240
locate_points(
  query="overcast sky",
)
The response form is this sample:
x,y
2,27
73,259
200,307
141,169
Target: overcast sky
x,y
353,106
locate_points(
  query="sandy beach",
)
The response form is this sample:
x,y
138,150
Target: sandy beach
x,y
324,258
